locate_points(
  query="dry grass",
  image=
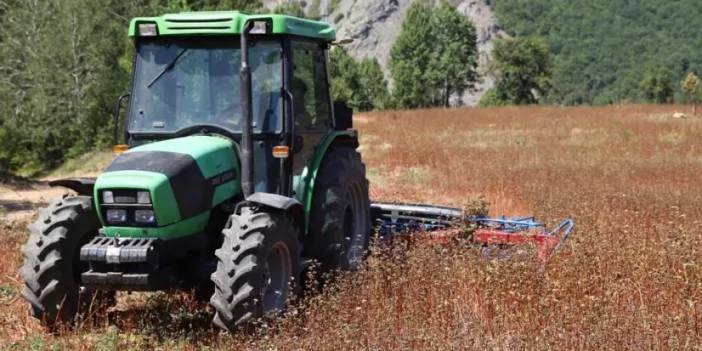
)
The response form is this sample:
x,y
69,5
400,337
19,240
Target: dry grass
x,y
630,278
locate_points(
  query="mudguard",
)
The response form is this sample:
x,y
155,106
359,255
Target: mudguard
x,y
287,205
305,186
82,186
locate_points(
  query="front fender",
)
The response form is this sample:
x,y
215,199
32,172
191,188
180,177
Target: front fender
x,y
82,186
290,206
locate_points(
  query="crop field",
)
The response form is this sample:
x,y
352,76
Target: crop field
x,y
629,278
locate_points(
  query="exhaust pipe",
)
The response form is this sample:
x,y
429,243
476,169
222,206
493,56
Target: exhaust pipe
x,y
246,147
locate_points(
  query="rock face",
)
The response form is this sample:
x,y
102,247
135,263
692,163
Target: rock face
x,y
374,25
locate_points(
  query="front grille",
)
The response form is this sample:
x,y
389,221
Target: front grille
x,y
119,250
124,264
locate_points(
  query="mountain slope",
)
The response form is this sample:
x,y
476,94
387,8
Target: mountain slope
x,y
603,48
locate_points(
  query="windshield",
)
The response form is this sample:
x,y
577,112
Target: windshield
x,y
180,82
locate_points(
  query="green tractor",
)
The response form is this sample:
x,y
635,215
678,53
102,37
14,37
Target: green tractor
x,y
239,171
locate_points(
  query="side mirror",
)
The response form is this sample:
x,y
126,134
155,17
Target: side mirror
x,y
343,116
115,117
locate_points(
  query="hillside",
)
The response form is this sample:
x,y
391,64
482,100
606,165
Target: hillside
x,y
603,48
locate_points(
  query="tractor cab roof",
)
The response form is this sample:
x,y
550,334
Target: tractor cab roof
x,y
230,23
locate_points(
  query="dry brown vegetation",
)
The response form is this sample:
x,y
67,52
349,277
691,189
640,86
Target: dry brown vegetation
x,y
630,278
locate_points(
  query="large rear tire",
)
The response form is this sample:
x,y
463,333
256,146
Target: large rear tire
x,y
257,269
340,216
52,268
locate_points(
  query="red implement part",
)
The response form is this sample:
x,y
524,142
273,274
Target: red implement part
x,y
546,243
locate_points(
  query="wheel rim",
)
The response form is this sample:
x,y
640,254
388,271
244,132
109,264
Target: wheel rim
x,y
276,278
355,238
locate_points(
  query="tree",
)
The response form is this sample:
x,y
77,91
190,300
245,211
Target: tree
x,y
690,86
361,84
373,93
522,70
59,77
657,85
342,69
434,57
455,61
410,57
493,98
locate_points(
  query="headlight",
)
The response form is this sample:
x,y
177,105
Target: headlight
x,y
143,197
116,216
148,29
108,197
144,216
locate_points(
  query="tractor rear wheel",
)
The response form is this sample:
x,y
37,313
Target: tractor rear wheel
x,y
52,268
257,268
340,216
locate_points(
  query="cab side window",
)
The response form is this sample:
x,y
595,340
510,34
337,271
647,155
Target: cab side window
x,y
309,87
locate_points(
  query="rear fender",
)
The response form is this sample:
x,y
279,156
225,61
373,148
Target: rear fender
x,y
309,176
292,208
82,186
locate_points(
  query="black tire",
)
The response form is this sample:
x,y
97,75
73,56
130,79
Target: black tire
x,y
52,268
340,215
246,289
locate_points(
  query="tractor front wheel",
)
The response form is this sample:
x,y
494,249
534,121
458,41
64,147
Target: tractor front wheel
x,y
52,269
257,268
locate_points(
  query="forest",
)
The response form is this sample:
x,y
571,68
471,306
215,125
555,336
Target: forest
x,y
606,51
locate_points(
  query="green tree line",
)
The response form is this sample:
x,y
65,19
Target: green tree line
x,y
62,63
612,51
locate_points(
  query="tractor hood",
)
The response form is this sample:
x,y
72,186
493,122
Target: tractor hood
x,y
184,177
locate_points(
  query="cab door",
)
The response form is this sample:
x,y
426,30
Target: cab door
x,y
311,101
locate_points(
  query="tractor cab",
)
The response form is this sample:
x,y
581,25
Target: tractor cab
x,y
189,79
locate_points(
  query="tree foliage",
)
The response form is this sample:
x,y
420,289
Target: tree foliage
x,y
62,64
522,69
493,98
434,58
602,48
361,84
690,86
59,78
657,85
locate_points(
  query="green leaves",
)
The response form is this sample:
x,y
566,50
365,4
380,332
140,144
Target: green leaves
x,y
657,85
60,70
434,58
522,70
360,84
690,85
